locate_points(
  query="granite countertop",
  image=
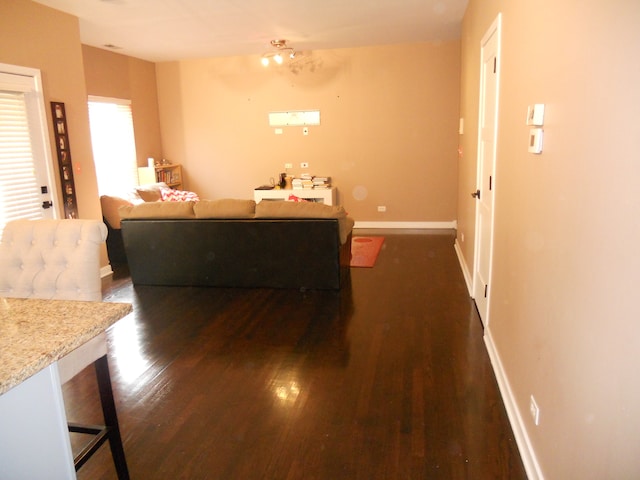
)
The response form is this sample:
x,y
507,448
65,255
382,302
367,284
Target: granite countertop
x,y
36,333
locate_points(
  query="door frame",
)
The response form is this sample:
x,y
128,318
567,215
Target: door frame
x,y
29,81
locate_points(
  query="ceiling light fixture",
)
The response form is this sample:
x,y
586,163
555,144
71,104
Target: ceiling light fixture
x,y
277,55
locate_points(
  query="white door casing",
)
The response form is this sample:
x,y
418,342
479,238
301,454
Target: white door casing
x,y
486,184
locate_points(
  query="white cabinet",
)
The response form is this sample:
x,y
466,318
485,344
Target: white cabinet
x,y
323,195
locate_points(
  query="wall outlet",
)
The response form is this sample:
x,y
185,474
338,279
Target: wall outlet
x,y
304,165
382,208
534,410
288,165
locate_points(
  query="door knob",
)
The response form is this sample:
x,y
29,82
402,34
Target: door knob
x,y
476,194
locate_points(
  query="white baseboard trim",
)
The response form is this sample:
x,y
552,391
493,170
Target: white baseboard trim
x,y
527,453
453,224
105,271
465,269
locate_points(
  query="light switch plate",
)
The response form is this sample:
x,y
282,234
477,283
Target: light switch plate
x,y
535,140
535,114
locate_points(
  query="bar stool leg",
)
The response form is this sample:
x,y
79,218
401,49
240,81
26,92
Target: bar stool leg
x,y
110,417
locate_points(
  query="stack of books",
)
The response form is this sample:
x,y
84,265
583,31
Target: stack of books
x,y
306,181
321,182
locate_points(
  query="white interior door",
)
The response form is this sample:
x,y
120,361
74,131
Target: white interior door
x,y
485,190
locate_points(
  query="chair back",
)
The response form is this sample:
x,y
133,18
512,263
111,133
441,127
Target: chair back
x,y
52,259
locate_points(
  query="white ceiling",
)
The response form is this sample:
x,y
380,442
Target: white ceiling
x,y
165,30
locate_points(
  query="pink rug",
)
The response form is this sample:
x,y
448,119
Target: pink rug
x,y
365,250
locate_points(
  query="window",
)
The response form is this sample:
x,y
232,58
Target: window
x,y
114,146
26,173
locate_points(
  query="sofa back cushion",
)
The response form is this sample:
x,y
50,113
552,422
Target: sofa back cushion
x,y
279,209
158,210
276,209
225,208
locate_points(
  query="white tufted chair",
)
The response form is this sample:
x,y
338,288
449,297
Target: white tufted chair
x,y
60,260
52,259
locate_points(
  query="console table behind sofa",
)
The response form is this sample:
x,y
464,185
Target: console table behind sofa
x,y
276,253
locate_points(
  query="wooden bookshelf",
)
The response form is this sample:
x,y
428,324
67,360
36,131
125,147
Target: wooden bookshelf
x,y
169,174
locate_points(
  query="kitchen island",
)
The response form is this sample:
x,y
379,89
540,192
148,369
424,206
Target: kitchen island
x,y
35,336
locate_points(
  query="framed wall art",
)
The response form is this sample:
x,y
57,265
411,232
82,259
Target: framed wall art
x,y
61,135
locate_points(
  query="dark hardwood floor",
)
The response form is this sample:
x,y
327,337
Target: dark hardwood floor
x,y
387,379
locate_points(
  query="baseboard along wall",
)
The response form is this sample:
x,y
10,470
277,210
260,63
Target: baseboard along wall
x,y
453,224
463,266
527,453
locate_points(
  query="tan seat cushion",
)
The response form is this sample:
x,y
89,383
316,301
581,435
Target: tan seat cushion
x,y
158,210
225,208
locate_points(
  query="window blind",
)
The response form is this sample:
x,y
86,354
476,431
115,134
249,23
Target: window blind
x,y
20,195
114,147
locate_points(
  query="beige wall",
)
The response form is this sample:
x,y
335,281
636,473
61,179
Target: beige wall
x,y
35,36
563,318
388,133
109,74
